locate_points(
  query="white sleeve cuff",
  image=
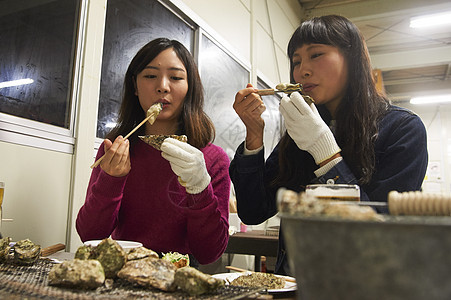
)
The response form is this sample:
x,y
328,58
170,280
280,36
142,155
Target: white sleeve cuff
x,y
326,168
251,152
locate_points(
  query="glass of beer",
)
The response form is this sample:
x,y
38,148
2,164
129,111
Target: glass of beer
x,y
340,192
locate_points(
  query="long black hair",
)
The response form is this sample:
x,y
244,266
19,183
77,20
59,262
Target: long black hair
x,y
358,112
193,122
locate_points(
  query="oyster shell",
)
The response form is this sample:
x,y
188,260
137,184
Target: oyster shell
x,y
77,273
194,282
83,252
140,253
4,248
26,252
155,140
150,272
111,255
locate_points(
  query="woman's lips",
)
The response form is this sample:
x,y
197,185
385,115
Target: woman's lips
x,y
308,87
164,102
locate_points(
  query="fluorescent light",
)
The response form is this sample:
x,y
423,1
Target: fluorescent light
x,y
110,124
443,18
15,82
431,99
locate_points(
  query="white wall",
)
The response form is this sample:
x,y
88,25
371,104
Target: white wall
x,y
437,120
45,188
37,184
257,30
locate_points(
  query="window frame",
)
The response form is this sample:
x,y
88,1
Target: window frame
x,y
22,131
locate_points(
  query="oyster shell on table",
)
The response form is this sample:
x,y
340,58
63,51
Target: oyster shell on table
x,y
4,248
83,252
111,255
77,273
150,272
26,252
140,253
155,140
194,282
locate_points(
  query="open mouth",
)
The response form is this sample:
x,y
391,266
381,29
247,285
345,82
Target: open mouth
x,y
164,102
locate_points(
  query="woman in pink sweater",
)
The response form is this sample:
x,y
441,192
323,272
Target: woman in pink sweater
x,y
136,194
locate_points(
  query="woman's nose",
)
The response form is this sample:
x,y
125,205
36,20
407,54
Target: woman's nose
x,y
304,71
163,85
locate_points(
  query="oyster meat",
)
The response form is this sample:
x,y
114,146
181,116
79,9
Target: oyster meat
x,y
150,272
140,253
194,282
26,252
77,273
4,248
111,255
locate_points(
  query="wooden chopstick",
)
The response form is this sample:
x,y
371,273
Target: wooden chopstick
x,y
127,136
244,271
236,269
265,92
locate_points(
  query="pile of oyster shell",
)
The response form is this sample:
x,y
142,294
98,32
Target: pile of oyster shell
x,y
24,252
94,266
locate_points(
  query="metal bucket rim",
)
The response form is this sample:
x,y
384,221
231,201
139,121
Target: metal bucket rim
x,y
388,220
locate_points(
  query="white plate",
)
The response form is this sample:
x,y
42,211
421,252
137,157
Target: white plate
x,y
123,244
229,277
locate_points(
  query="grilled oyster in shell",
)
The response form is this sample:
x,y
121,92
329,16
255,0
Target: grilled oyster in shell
x,y
150,272
194,282
4,248
84,252
140,253
111,255
77,273
26,252
155,140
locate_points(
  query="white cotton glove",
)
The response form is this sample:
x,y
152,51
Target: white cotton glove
x,y
306,127
188,163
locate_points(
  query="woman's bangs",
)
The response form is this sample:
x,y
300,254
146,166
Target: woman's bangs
x,y
310,32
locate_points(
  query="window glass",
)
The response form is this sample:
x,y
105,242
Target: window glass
x,y
37,47
272,118
130,24
222,77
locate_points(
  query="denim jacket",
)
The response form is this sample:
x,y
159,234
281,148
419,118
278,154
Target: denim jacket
x,y
401,161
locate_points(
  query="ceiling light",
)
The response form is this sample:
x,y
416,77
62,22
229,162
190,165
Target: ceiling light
x,y
443,18
15,82
431,99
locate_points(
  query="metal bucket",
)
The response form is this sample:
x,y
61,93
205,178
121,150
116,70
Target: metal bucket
x,y
405,257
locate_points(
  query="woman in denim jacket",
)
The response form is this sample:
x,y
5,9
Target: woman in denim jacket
x,y
352,134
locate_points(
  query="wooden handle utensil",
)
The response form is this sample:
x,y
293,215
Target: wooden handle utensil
x,y
52,249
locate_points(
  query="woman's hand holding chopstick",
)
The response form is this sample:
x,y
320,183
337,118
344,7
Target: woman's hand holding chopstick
x,y
152,114
116,161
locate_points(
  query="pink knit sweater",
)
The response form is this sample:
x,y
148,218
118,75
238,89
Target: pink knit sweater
x,y
150,206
